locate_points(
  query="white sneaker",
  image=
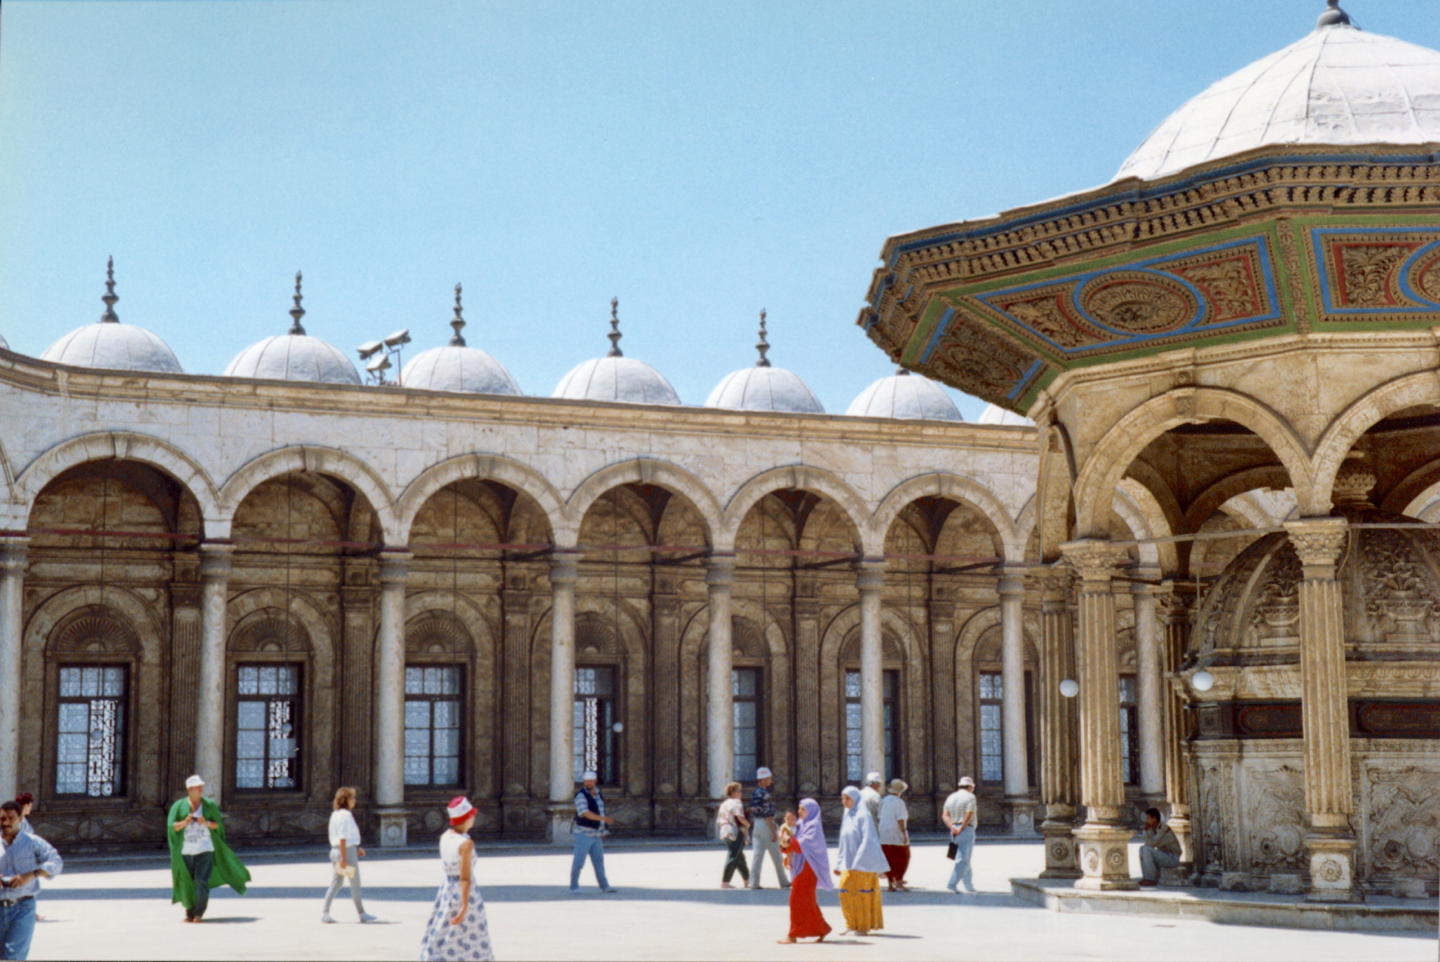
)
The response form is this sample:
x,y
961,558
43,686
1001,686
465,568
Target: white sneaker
x,y
327,919
367,917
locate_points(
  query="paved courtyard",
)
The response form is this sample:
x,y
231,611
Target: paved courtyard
x,y
669,907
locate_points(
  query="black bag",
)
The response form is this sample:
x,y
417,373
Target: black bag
x,y
950,852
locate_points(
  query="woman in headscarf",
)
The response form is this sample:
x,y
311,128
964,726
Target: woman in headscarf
x,y
861,860
809,868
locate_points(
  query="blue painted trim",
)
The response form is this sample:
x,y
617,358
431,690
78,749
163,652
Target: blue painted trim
x,y
1024,380
1322,267
941,326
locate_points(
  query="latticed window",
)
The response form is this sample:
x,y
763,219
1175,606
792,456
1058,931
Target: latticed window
x,y
992,726
432,724
746,712
595,738
854,756
90,749
1129,731
267,727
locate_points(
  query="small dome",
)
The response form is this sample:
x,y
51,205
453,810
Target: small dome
x,y
4,344
295,356
1338,85
616,379
995,414
764,389
905,395
458,367
111,345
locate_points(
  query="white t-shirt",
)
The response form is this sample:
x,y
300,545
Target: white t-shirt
x,y
892,813
961,802
342,825
197,836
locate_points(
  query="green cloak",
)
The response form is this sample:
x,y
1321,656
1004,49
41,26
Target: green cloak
x,y
225,869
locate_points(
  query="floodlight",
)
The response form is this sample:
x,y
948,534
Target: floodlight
x,y
369,348
378,364
398,338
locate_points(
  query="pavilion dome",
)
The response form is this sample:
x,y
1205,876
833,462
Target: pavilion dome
x,y
905,395
457,366
764,389
1338,85
112,345
995,414
294,356
615,377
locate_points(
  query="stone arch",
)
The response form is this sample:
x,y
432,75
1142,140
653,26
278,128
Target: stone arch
x,y
1425,504
1416,490
1113,454
341,465
664,474
1142,515
482,467
460,607
126,446
955,487
140,612
93,630
1207,502
1054,491
1347,428
804,478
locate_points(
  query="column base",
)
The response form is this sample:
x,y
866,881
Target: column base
x,y
561,827
394,827
1332,869
1022,815
1104,858
1061,856
1180,824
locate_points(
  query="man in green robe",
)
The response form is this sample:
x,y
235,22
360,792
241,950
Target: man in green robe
x,y
199,857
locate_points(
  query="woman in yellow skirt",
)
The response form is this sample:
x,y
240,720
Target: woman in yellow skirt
x,y
860,862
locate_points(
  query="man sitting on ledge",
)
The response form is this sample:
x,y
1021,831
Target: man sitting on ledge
x,y
1160,849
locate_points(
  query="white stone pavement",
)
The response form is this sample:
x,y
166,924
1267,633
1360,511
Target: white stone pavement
x,y
669,907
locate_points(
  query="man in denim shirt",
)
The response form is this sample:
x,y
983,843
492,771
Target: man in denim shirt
x,y
26,859
589,833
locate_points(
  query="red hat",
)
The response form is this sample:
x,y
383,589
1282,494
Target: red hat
x,y
24,798
459,810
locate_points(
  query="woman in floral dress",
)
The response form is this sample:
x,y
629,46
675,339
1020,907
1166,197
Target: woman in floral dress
x,y
457,928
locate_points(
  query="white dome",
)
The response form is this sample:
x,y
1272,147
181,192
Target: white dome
x,y
764,389
114,346
995,414
905,395
616,379
293,357
458,368
1338,85
4,344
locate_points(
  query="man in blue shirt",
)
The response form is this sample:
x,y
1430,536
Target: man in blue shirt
x,y
26,859
763,831
590,832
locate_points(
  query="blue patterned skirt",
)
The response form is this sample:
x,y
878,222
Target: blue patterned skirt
x,y
456,943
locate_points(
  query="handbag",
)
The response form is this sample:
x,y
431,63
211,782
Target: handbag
x,y
727,832
950,852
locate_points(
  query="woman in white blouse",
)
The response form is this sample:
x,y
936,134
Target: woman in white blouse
x,y
345,854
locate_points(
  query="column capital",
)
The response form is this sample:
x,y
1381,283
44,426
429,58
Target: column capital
x,y
1148,582
1318,541
1095,560
395,565
14,550
870,574
720,570
1052,581
215,559
1011,580
564,567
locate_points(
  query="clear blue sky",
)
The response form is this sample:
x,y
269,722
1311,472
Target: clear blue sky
x,y
700,161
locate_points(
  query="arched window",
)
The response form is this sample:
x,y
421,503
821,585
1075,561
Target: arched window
x,y
989,695
598,704
270,656
92,656
892,685
437,668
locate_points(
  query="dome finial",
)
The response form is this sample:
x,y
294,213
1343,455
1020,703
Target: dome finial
x,y
458,339
614,334
1334,16
763,346
901,371
110,297
297,311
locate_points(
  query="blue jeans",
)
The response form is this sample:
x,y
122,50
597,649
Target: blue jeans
x,y
17,925
594,847
964,848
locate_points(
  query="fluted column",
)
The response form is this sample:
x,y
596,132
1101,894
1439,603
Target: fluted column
x,y
1324,708
870,578
720,720
215,566
390,698
1012,667
14,552
564,572
1104,856
1175,608
1059,776
1149,687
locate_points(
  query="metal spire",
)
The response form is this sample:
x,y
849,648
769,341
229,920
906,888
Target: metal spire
x,y
1334,16
902,371
110,297
297,311
458,339
763,346
614,334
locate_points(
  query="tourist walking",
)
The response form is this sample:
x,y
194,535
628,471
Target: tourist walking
x,y
1159,849
590,831
763,830
960,816
345,854
809,870
871,794
26,859
895,834
734,830
457,927
199,858
860,861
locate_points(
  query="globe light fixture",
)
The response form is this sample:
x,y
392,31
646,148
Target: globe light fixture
x,y
1202,680
1069,688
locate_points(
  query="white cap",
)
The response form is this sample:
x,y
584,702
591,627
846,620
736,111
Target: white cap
x,y
763,773
194,781
967,782
589,777
873,778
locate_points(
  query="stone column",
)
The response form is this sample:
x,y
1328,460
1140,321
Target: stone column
x,y
1103,839
1012,665
1149,687
215,566
14,553
870,578
564,572
390,698
1324,709
1175,602
1059,776
720,720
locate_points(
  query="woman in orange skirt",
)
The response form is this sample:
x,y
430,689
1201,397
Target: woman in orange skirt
x,y
809,869
859,864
